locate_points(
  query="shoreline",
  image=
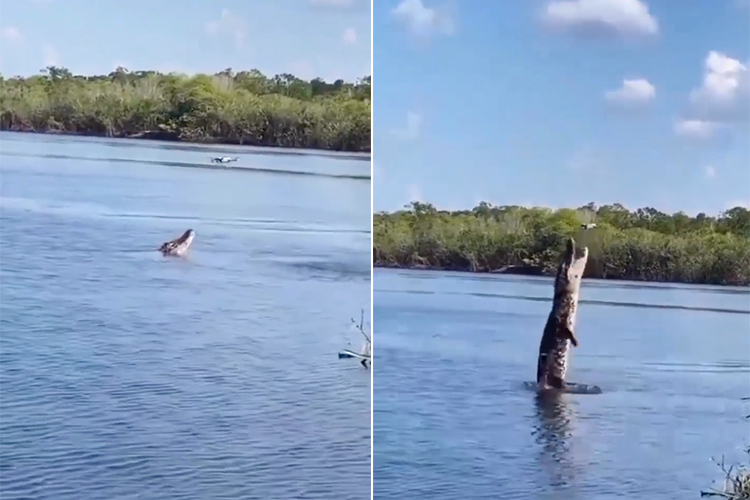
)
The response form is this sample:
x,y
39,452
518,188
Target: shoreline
x,y
538,273
163,136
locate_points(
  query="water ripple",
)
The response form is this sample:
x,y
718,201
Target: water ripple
x,y
537,298
452,419
127,375
184,164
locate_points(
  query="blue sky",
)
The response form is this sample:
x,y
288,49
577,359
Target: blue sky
x,y
558,103
308,38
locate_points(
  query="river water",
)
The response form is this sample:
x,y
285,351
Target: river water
x,y
125,374
452,419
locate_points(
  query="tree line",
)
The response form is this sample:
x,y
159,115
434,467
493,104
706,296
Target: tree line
x,y
640,245
246,107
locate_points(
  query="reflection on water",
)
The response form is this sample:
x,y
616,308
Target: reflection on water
x,y
552,431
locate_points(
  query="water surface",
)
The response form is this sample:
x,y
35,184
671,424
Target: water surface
x,y
124,374
452,419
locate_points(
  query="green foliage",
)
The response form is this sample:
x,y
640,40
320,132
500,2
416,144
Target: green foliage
x,y
644,245
233,108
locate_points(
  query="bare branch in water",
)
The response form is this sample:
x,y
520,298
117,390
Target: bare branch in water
x,y
736,479
361,326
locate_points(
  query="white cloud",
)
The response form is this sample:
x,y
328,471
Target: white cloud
x,y
350,36
697,129
421,20
12,35
722,99
632,92
51,57
624,17
710,171
721,80
228,24
413,127
725,91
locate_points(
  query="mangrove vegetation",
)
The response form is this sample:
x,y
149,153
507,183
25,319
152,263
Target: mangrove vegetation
x,y
227,107
640,245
